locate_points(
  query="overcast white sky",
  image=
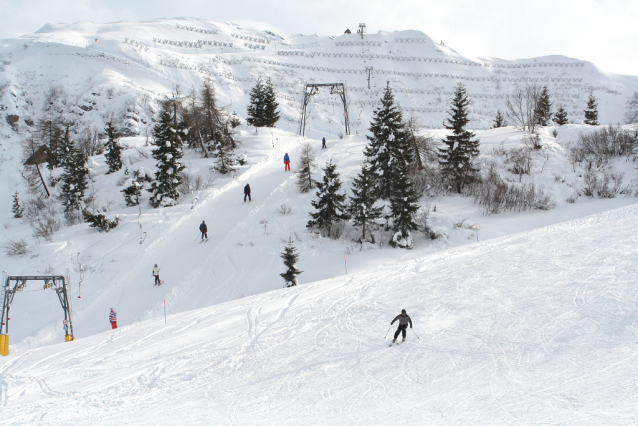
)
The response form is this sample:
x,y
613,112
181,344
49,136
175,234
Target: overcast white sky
x,y
602,31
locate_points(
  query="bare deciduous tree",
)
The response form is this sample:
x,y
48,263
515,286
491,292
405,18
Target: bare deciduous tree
x,y
520,107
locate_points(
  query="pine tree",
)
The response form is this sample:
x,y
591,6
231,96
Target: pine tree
x,y
225,160
50,134
403,205
133,193
364,196
262,111
561,116
99,221
66,146
271,115
499,120
543,111
388,142
256,106
290,258
457,159
114,154
169,136
306,166
330,204
17,209
74,180
591,112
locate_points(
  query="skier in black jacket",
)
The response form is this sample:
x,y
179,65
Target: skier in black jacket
x,y
204,230
404,320
247,192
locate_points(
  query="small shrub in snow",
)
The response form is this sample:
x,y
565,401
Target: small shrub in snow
x,y
401,240
45,227
290,258
519,161
99,221
16,247
284,209
495,195
603,185
595,149
572,198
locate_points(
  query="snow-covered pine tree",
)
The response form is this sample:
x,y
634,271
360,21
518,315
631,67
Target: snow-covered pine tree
x,y
591,112
306,166
66,145
256,106
225,161
114,154
74,180
403,205
133,192
330,205
364,196
50,134
560,117
457,159
169,136
388,142
271,115
499,120
543,111
99,221
290,257
17,209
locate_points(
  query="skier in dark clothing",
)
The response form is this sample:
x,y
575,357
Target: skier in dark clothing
x,y
323,143
204,230
247,193
404,320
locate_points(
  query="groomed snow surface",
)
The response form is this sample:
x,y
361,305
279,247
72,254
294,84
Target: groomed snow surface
x,y
534,328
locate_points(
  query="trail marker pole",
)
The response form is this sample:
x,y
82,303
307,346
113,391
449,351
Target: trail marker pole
x,y
164,311
345,262
477,229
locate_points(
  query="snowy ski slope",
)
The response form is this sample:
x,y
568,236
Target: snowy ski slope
x,y
534,328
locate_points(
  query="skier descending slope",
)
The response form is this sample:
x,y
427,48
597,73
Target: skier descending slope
x,y
156,275
204,230
113,319
247,193
404,320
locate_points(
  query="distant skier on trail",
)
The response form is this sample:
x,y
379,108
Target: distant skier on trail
x,y
404,320
247,193
286,163
113,319
156,275
204,230
323,143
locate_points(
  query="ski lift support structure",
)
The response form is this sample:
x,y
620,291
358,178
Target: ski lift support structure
x,y
14,284
313,89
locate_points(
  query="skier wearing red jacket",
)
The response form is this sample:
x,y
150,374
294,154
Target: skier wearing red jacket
x,y
113,319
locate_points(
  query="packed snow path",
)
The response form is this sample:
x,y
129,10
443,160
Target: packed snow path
x,y
534,328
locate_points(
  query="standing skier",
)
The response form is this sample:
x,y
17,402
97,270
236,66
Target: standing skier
x,y
204,230
113,319
404,320
156,275
286,163
323,143
247,193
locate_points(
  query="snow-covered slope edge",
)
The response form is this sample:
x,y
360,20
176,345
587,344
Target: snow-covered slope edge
x,y
538,326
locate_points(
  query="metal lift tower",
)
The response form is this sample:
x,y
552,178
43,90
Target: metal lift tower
x,y
313,89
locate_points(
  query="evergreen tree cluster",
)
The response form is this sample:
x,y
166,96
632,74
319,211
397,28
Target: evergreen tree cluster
x,y
262,110
390,155
99,221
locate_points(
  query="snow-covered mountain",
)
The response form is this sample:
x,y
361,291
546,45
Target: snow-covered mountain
x,y
95,72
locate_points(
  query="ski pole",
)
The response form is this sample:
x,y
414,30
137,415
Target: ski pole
x,y
386,333
417,336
